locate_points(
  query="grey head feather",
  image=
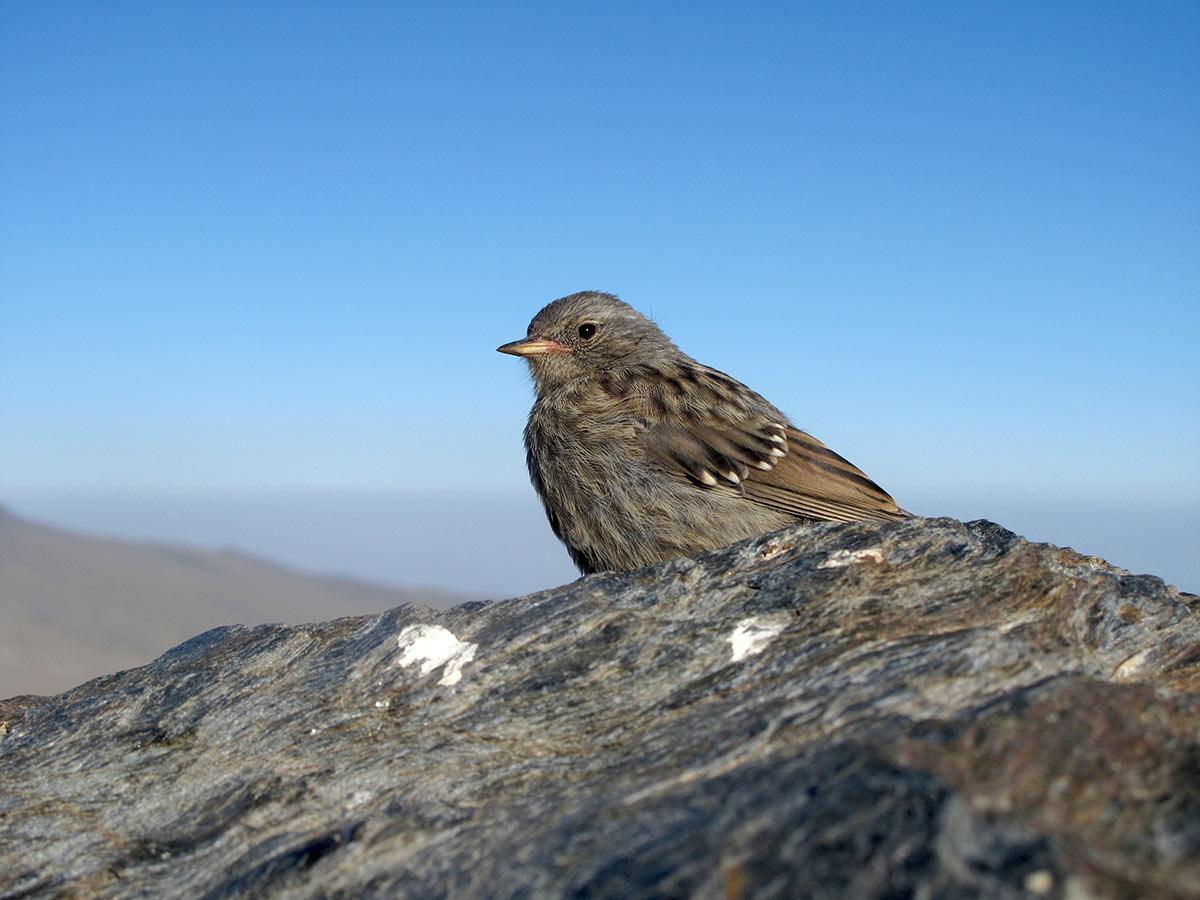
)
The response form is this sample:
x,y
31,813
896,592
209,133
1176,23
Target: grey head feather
x,y
619,337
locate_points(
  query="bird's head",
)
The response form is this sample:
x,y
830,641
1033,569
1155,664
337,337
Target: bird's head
x,y
587,333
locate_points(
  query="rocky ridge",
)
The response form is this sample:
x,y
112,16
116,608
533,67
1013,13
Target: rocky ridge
x,y
922,708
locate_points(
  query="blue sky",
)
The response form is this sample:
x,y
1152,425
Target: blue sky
x,y
272,246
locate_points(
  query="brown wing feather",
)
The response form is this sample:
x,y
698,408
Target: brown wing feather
x,y
813,481
719,434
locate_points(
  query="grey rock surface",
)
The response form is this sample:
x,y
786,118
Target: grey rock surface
x,y
921,708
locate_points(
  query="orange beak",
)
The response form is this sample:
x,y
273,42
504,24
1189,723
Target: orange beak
x,y
533,346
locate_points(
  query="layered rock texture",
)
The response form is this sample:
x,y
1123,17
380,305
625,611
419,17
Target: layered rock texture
x,y
924,708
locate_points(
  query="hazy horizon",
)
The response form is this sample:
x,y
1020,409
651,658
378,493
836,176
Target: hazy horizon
x,y
499,545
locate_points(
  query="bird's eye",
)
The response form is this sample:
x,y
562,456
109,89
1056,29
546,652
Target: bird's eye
x,y
587,330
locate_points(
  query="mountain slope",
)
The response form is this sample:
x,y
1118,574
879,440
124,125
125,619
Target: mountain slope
x,y
75,606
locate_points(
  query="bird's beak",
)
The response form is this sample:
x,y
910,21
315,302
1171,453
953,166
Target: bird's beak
x,y
533,346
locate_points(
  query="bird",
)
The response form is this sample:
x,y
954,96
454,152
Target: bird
x,y
641,454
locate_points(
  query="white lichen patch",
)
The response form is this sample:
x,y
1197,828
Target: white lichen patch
x,y
1039,882
839,558
433,646
1133,667
750,637
772,549
359,798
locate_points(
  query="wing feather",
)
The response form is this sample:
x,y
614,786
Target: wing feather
x,y
739,441
812,480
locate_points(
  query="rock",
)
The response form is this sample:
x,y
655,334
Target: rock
x,y
921,708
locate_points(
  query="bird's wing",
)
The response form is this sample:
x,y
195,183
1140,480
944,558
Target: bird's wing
x,y
737,443
813,481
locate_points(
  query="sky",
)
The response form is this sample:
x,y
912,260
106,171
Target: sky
x,y
269,249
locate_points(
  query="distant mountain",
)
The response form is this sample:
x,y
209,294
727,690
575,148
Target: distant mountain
x,y
73,606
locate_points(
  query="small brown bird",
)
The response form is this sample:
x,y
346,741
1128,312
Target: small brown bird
x,y
641,454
